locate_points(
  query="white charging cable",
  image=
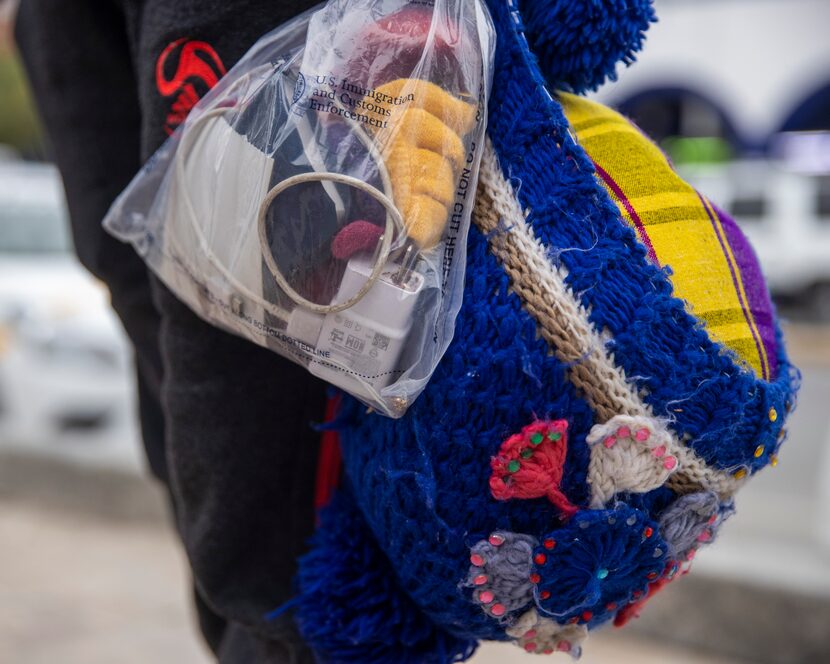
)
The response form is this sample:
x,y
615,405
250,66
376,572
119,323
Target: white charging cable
x,y
394,219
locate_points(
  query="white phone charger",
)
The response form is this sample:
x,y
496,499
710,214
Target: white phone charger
x,y
358,348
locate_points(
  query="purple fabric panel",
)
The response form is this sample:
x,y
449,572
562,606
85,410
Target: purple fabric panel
x,y
759,302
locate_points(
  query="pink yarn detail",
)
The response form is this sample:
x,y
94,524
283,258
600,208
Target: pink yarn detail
x,y
526,467
357,236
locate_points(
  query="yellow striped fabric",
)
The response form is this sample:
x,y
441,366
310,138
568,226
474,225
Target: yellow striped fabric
x,y
678,226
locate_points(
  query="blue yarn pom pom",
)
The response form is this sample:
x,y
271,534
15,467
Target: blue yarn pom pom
x,y
600,561
349,607
580,42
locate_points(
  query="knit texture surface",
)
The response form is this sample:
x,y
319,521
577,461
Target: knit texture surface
x,y
713,269
444,496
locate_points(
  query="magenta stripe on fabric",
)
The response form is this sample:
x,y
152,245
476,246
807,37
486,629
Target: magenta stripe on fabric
x,y
635,218
759,303
736,285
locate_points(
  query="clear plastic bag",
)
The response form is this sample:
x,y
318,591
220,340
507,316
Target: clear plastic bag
x,y
317,200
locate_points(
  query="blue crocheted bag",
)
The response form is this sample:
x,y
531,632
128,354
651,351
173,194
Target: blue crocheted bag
x,y
584,433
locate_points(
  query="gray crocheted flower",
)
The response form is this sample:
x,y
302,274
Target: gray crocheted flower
x,y
693,520
500,570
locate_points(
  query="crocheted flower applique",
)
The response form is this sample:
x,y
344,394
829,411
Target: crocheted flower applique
x,y
530,464
628,454
536,634
690,522
600,561
500,569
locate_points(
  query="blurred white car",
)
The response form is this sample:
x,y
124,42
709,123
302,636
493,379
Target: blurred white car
x,y
66,382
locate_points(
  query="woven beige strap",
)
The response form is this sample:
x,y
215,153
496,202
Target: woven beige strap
x,y
564,323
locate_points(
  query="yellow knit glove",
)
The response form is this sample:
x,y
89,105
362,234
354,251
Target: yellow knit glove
x,y
423,151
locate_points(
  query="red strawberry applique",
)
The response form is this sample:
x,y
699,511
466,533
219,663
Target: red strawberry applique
x,y
530,464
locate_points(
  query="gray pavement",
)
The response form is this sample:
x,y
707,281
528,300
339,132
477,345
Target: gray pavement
x,y
82,588
90,571
77,589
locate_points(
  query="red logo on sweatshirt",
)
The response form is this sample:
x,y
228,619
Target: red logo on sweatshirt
x,y
198,69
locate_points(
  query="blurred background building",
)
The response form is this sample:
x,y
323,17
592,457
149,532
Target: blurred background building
x,y
737,92
739,71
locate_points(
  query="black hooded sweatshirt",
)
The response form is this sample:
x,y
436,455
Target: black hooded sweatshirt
x,y
226,424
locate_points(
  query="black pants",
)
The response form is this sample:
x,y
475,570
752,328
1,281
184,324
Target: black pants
x,y
226,424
